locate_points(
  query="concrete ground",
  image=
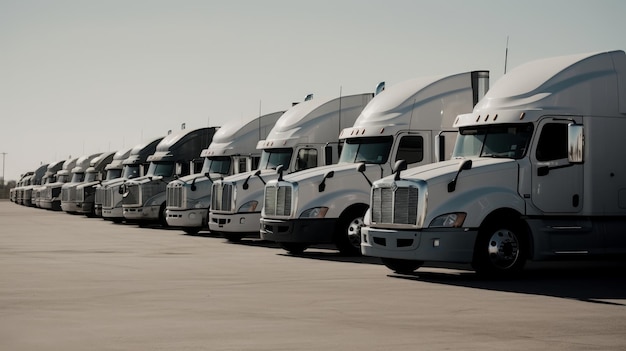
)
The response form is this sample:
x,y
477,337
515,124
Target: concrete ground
x,y
70,282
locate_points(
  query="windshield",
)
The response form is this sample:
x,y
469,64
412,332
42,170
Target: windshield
x,y
63,178
78,177
90,177
130,171
498,141
368,150
271,158
217,164
161,169
113,174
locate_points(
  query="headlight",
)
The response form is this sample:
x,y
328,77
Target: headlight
x,y
315,212
449,220
248,206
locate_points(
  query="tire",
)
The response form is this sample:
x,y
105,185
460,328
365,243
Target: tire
x,y
294,248
232,237
347,236
163,216
191,231
401,266
501,249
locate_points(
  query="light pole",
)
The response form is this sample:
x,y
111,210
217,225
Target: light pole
x,y
3,156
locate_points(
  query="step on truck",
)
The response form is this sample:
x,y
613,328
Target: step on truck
x,y
306,136
86,191
112,171
68,190
530,177
136,165
51,199
411,120
177,155
48,178
232,151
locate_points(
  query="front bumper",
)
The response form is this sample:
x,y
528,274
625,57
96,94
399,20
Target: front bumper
x,y
312,231
443,245
146,213
192,218
245,223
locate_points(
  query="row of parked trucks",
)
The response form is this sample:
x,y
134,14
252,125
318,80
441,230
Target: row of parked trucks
x,y
433,169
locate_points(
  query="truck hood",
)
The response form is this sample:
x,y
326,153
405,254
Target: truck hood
x,y
340,170
446,170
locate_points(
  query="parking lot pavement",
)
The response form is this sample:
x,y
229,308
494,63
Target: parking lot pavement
x,y
69,282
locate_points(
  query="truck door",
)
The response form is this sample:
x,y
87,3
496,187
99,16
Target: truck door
x,y
557,185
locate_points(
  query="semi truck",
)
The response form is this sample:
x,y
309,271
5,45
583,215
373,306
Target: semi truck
x,y
177,155
86,191
136,165
233,150
530,177
51,199
411,120
112,171
305,136
34,181
48,178
68,190
18,191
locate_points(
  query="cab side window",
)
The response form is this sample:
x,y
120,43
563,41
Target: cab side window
x,y
552,143
307,158
411,149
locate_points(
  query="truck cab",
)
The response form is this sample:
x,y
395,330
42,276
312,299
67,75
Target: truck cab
x,y
530,177
68,190
49,177
112,171
51,199
136,165
232,151
85,191
177,155
411,120
306,136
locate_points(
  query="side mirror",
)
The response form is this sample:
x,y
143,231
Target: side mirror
x,y
279,171
322,185
399,167
575,143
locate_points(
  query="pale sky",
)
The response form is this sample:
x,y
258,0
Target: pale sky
x,y
80,76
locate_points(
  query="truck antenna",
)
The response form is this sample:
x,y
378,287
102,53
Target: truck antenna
x,y
340,92
260,119
506,53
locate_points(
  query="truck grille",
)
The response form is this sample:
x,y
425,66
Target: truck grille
x,y
68,194
394,205
277,201
133,195
175,196
99,197
221,200
80,195
107,198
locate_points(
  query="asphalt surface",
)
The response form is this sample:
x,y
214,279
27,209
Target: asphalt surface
x,y
69,282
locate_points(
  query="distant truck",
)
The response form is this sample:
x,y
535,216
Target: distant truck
x,y
233,150
112,171
18,191
177,155
136,165
68,190
530,177
48,178
306,136
51,199
411,120
34,181
86,191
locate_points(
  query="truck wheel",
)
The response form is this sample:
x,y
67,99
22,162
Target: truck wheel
x,y
191,231
232,237
347,236
163,216
401,266
294,248
501,249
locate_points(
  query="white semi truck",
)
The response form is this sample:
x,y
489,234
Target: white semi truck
x,y
51,199
177,155
411,120
531,176
48,178
34,182
68,190
306,136
86,191
113,170
232,151
136,165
